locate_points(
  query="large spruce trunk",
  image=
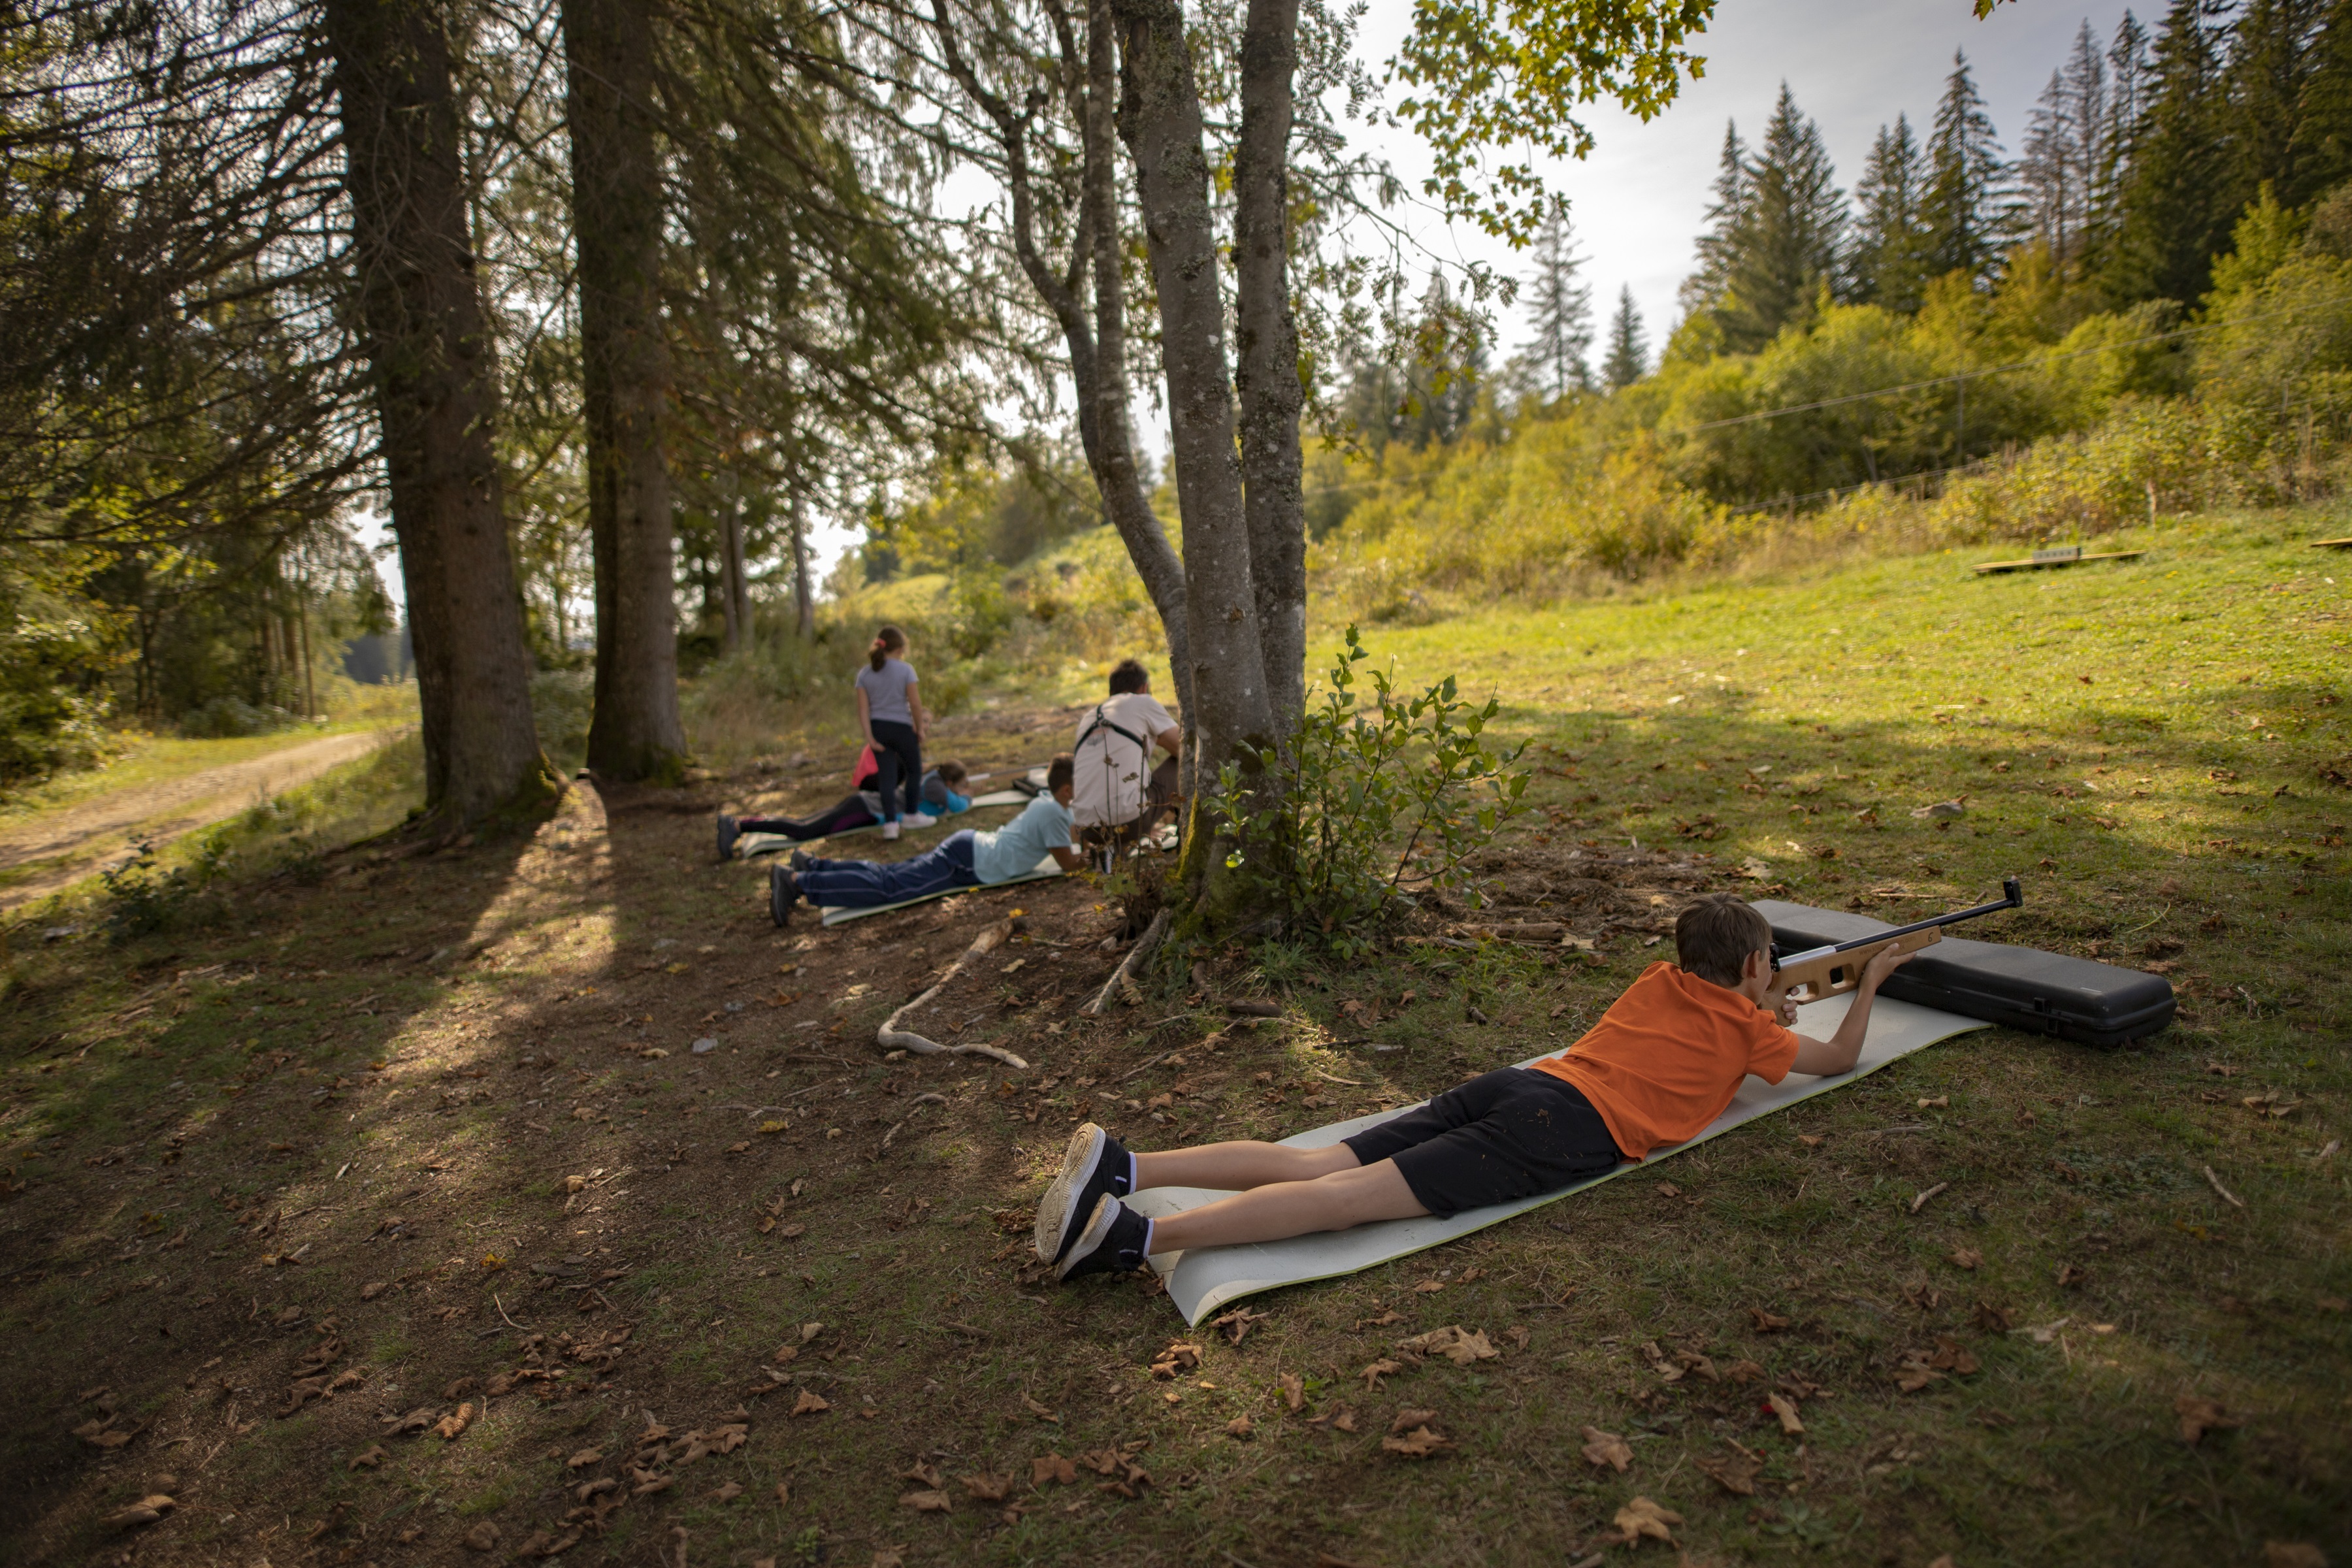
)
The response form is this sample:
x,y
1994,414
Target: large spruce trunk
x,y
1266,333
1160,120
436,394
616,210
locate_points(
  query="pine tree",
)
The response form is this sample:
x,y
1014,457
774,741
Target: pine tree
x,y
1887,265
1786,247
2086,98
2046,169
1629,349
1703,289
1560,310
2323,137
2274,53
2174,202
1968,214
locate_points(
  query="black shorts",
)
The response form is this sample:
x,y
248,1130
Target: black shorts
x,y
1507,1134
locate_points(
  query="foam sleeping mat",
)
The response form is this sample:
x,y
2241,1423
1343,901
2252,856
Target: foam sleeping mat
x,y
1205,1280
836,916
753,845
2024,988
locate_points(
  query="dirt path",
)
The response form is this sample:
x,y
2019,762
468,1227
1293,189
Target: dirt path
x,y
164,810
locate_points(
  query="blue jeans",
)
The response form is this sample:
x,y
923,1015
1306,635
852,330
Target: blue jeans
x,y
861,884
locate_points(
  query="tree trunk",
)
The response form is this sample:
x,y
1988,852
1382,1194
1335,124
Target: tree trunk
x,y
616,210
437,395
1118,476
1160,120
735,591
1265,334
804,592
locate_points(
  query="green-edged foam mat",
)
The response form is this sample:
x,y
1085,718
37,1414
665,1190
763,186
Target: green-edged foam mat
x,y
1205,1280
751,845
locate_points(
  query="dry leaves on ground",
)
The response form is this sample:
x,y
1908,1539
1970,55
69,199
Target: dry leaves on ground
x,y
1918,1368
1768,1322
1239,1427
146,1511
1735,1472
1052,1468
927,1502
1179,1357
1379,1370
987,1488
809,1404
1965,1257
2199,1415
456,1421
1643,1518
2293,1555
1294,1389
1606,1449
1786,1409
1341,1420
1453,1343
1238,1322
1411,1436
1382,1322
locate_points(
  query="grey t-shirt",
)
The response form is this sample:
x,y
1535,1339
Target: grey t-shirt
x,y
885,690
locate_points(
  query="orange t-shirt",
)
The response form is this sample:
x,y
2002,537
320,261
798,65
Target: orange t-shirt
x,y
1668,1056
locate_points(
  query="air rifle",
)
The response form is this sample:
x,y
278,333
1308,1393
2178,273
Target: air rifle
x,y
1822,972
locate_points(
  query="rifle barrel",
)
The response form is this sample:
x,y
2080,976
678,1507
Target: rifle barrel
x,y
2015,899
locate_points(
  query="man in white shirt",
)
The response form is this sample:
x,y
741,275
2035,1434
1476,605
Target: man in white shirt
x,y
1118,791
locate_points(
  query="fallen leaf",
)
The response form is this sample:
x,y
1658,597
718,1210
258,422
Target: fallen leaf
x,y
1044,1413
1179,1357
2199,1415
1294,1390
1965,1257
1239,1427
1786,1409
1768,1322
1996,1319
1743,1371
809,1404
1052,1468
98,1434
1735,1472
371,1289
988,1487
2069,1277
727,1491
1410,1417
583,1458
1811,1140
1382,1322
1668,1190
1453,1343
416,1420
1606,1449
1238,1322
456,1421
483,1537
1430,1287
927,1502
927,1475
146,1511
2293,1555
1643,1518
1418,1444
1344,1421
370,1459
1379,1370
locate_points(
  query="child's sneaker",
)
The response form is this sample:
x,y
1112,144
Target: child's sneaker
x,y
1112,1243
798,860
784,890
890,830
1094,1167
726,836
922,819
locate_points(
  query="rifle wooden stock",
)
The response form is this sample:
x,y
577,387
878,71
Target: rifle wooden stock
x,y
1826,971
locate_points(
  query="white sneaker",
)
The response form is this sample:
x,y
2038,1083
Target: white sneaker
x,y
889,830
921,819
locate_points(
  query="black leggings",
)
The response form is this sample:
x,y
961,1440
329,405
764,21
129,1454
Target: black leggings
x,y
840,817
897,749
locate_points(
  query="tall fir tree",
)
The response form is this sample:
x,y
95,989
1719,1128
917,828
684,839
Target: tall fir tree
x,y
1969,210
2323,137
1560,309
2274,54
1785,251
1628,359
2085,94
2047,171
2174,206
1703,289
1889,262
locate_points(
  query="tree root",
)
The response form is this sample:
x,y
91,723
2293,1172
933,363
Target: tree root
x,y
1124,975
891,1037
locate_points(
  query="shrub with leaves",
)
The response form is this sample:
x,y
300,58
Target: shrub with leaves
x,y
1380,797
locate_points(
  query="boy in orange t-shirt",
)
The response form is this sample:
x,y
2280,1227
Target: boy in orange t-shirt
x,y
1661,1064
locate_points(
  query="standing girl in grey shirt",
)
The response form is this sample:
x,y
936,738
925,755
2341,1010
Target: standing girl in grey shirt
x,y
890,712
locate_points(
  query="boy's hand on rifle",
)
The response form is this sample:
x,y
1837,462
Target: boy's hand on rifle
x,y
1884,963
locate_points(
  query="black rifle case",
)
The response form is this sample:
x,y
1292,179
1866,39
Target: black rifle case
x,y
2018,987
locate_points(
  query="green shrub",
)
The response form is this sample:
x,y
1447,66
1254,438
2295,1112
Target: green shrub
x,y
1377,803
229,718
